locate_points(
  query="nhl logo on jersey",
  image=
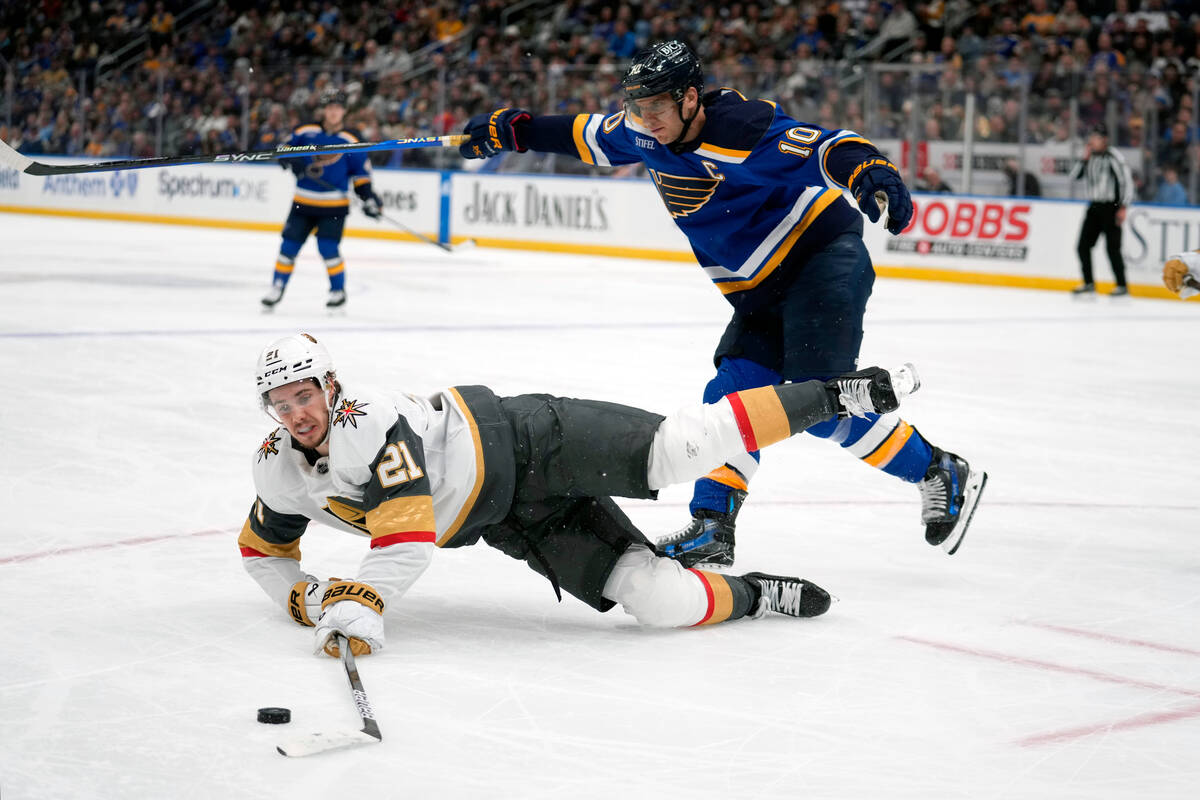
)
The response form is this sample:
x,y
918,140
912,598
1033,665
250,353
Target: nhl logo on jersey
x,y
684,194
347,413
268,448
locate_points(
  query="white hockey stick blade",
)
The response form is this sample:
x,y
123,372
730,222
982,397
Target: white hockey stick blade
x,y
12,158
315,743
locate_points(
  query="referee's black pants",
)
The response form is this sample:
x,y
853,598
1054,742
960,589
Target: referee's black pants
x,y
1101,218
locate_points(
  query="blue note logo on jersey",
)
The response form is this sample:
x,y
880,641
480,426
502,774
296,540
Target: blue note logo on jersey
x,y
684,194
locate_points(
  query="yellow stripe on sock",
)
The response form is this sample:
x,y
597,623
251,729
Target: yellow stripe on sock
x,y
887,450
728,476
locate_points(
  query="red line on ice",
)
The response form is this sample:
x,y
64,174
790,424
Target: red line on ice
x,y
1141,721
62,551
1107,637
1049,666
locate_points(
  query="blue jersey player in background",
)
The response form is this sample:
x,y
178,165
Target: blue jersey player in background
x,y
760,197
322,200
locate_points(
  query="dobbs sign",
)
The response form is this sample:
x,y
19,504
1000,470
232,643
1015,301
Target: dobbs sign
x,y
966,227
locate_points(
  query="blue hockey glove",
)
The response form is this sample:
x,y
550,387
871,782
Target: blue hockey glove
x,y
492,133
372,205
878,175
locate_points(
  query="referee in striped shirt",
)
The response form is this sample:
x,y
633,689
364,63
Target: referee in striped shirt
x,y
1110,190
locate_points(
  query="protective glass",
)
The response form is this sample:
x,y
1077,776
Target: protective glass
x,y
303,398
649,107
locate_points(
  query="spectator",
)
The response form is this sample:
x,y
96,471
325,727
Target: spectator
x,y
1174,151
1040,20
1170,190
931,181
1032,187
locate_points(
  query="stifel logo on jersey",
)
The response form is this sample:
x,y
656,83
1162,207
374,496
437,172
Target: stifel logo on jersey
x,y
268,448
348,412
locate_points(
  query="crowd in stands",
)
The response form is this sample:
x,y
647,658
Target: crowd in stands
x,y
242,73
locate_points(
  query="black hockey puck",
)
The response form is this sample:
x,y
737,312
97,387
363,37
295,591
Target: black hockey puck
x,y
274,716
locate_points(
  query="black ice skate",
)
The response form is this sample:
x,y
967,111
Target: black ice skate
x,y
949,493
795,597
706,541
273,296
337,299
874,389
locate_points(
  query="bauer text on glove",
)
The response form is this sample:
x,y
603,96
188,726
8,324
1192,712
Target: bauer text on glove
x,y
354,610
879,176
494,132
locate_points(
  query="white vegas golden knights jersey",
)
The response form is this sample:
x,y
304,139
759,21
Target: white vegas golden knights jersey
x,y
404,471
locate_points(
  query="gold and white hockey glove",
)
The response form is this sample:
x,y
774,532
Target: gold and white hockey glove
x,y
1181,274
354,610
304,600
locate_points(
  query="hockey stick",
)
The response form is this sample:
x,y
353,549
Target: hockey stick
x,y
315,743
449,248
11,158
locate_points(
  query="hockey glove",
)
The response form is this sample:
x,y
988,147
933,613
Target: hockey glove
x,y
296,165
304,601
354,610
879,176
1181,274
492,133
372,205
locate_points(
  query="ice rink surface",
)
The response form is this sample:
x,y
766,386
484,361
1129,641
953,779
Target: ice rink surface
x,y
1057,655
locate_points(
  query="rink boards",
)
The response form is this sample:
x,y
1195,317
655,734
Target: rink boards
x,y
959,238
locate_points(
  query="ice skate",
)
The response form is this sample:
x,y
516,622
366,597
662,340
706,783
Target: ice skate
x,y
794,597
706,541
273,296
949,494
874,389
336,301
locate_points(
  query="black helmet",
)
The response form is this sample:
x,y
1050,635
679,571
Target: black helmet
x,y
333,96
669,66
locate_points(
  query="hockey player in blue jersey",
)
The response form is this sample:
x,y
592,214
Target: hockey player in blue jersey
x,y
760,198
321,202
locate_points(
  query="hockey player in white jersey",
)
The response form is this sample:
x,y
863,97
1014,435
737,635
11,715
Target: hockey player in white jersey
x,y
531,475
1181,274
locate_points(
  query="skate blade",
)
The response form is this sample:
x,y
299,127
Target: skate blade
x,y
975,484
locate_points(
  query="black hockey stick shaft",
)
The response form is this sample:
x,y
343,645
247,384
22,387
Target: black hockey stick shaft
x,y
370,726
11,158
395,222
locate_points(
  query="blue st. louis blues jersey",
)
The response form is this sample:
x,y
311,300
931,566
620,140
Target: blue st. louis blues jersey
x,y
339,171
753,188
